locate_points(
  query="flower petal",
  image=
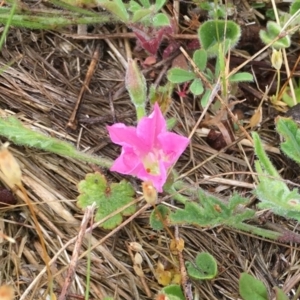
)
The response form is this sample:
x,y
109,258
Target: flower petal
x,y
123,135
150,127
173,145
127,163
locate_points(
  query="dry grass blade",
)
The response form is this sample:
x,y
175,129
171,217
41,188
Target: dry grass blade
x,y
41,90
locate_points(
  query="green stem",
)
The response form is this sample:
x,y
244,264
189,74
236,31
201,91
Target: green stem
x,y
140,111
278,84
256,230
174,194
7,24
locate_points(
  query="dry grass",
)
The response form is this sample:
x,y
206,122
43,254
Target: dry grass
x,y
41,88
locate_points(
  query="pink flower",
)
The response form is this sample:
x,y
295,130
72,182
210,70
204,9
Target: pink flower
x,y
148,150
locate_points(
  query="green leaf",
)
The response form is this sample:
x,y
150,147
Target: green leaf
x,y
286,96
262,156
280,295
177,75
251,288
290,132
145,3
196,87
241,77
295,6
158,216
272,191
134,6
140,14
205,98
117,8
205,267
214,32
160,20
159,4
173,292
108,198
200,59
210,211
273,30
14,130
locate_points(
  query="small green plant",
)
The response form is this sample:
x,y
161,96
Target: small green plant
x,y
253,289
209,211
216,37
272,191
137,11
278,34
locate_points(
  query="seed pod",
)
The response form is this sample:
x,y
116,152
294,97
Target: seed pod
x,y
134,246
138,259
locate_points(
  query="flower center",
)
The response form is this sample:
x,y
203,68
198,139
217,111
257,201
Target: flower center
x,y
151,161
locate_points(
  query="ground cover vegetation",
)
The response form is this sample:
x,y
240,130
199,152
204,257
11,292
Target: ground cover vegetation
x,y
150,150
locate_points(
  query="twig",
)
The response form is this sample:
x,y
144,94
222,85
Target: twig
x,y
73,263
72,121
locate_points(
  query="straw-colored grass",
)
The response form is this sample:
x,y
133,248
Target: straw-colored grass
x,y
41,88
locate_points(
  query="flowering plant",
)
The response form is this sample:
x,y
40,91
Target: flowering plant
x,y
148,150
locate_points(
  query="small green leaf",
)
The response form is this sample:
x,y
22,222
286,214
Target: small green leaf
x,y
177,75
108,199
273,30
214,32
295,6
140,14
134,6
290,132
263,158
241,77
200,59
172,291
159,4
205,267
196,87
251,288
117,8
205,98
157,217
280,295
145,3
160,20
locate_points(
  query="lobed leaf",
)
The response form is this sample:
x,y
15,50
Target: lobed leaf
x,y
108,198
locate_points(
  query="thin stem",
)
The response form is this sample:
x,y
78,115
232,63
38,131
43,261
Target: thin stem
x,y
257,231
